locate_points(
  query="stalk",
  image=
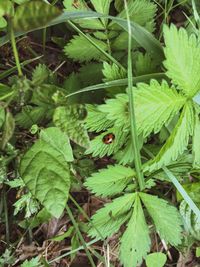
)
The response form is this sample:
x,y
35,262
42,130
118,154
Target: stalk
x,y
14,48
135,143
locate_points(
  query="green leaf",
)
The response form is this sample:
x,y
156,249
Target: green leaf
x,y
32,263
99,148
178,140
3,22
144,64
2,116
95,120
38,15
108,219
67,119
59,141
45,170
197,252
8,129
155,105
164,216
135,242
182,59
196,143
110,181
190,219
157,259
72,49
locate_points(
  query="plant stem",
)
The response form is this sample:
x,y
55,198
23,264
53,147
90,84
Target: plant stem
x,y
80,236
15,51
135,143
6,216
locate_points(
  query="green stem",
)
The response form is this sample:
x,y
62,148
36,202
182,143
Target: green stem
x,y
15,51
80,236
6,216
135,143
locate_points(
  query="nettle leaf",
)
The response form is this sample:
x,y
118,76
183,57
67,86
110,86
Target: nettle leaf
x,y
95,120
135,242
38,15
73,51
155,105
164,216
113,72
157,259
102,6
110,181
196,143
99,148
182,59
177,141
109,219
67,119
45,170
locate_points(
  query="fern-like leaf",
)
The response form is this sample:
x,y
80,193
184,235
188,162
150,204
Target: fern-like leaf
x,y
110,181
95,120
109,218
155,105
178,140
99,148
88,51
166,218
135,242
182,59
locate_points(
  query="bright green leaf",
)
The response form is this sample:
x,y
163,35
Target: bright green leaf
x,y
157,259
135,242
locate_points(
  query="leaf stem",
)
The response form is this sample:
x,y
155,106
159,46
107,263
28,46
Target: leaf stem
x,y
80,235
135,143
15,51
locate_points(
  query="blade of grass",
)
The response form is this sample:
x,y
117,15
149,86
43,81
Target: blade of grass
x,y
182,191
75,250
80,236
120,82
135,142
141,35
6,73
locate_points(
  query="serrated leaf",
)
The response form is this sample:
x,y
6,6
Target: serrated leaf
x,y
182,59
95,120
108,219
144,64
135,242
99,148
102,7
45,170
178,140
155,105
164,216
66,118
157,259
39,14
116,110
72,49
40,74
110,181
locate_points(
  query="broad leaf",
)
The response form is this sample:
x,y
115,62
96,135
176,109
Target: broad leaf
x,y
67,119
110,181
45,170
135,242
108,220
155,105
157,259
182,59
164,217
38,15
178,140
